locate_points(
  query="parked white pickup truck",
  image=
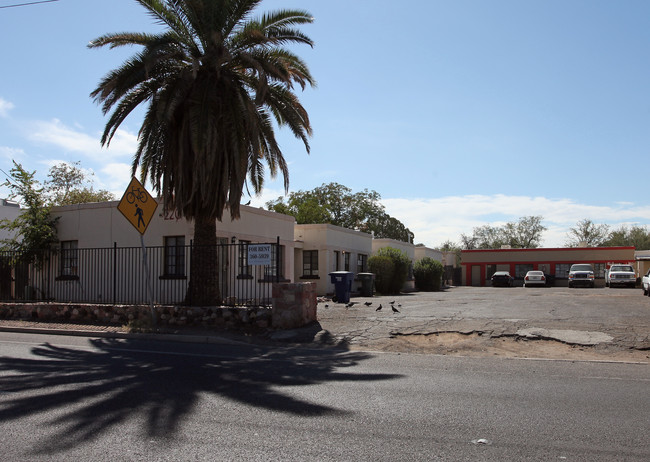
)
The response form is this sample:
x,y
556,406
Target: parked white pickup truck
x,y
645,282
620,275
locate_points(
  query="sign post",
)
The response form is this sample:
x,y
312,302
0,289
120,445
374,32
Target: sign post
x,y
138,207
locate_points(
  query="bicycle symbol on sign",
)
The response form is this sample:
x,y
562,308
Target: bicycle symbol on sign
x,y
136,193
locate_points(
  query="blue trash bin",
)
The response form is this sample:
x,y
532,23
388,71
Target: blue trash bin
x,y
342,281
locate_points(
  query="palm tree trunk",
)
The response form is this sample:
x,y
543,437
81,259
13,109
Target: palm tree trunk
x,y
203,289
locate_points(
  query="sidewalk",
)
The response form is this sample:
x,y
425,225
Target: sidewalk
x,y
181,334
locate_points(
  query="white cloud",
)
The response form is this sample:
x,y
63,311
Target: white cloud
x,y
436,220
9,154
5,107
268,194
56,133
115,178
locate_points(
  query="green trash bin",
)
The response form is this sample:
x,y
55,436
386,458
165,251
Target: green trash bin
x,y
367,284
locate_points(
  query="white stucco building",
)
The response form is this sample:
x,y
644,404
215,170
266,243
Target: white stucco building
x,y
324,248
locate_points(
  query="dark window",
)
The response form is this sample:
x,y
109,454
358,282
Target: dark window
x,y
174,255
346,261
275,269
362,263
490,270
599,270
69,258
244,267
521,270
562,270
337,260
310,263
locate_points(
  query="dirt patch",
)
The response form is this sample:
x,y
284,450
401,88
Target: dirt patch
x,y
477,345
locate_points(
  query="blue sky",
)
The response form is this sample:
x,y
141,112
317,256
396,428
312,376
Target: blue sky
x,y
458,113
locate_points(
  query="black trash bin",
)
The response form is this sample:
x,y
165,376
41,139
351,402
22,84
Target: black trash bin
x,y
367,283
342,281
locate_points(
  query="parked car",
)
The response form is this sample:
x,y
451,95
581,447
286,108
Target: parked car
x,y
581,274
620,275
535,278
645,282
502,278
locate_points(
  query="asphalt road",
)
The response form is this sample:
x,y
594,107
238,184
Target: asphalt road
x,y
71,398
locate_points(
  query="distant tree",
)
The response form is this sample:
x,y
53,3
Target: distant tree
x,y
34,230
587,233
468,242
636,236
450,246
524,234
336,204
69,184
490,237
385,226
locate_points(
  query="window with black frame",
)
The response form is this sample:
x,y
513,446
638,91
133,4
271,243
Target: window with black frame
x,y
362,263
274,270
244,268
562,270
310,263
174,256
69,260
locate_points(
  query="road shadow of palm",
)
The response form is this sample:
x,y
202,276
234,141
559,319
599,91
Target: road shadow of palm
x,y
91,391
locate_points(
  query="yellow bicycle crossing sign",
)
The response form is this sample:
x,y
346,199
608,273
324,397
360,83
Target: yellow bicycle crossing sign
x,y
137,205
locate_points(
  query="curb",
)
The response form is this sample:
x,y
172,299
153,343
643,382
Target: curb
x,y
182,338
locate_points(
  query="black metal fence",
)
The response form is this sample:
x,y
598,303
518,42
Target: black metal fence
x,y
135,275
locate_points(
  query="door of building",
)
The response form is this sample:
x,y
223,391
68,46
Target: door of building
x,y
476,275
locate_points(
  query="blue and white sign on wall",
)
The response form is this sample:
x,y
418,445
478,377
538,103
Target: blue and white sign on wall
x,y
259,254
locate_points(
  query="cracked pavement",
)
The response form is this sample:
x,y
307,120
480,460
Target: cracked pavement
x,y
608,322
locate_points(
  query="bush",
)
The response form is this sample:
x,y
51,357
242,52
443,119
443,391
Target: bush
x,y
428,274
383,269
391,268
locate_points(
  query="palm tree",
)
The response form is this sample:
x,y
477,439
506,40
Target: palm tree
x,y
215,82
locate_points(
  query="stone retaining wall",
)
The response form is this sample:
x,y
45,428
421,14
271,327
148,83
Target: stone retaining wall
x,y
294,305
125,314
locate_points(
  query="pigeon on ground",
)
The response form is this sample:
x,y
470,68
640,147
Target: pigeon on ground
x,y
326,305
392,303
350,305
379,307
368,303
399,305
395,310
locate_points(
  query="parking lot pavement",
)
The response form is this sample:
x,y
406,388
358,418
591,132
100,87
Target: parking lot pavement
x,y
603,320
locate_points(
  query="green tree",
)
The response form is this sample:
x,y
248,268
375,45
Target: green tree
x,y
523,234
428,274
587,233
636,236
69,184
336,204
34,230
214,81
